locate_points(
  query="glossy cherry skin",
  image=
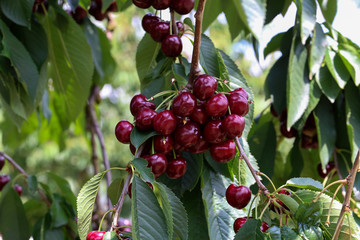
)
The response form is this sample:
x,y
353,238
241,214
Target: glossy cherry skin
x,y
163,144
217,105
176,168
238,104
159,31
180,27
184,104
213,132
145,118
2,162
200,147
129,193
199,114
171,46
18,189
165,122
142,3
239,222
233,125
157,162
123,130
204,86
182,7
161,4
4,179
330,166
95,235
139,101
241,91
238,196
148,21
223,152
187,135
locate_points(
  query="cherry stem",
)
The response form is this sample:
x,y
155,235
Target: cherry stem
x,y
350,179
195,70
266,176
331,184
252,170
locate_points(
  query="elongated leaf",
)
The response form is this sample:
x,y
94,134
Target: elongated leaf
x,y
146,54
327,84
85,204
307,12
148,219
328,9
352,96
306,183
208,56
139,137
337,68
250,231
351,59
140,165
18,11
317,50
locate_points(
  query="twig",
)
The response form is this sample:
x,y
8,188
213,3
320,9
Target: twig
x,y
346,204
252,170
343,190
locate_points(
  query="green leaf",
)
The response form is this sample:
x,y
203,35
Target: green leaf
x,y
140,165
298,86
146,53
173,207
317,50
352,97
351,59
85,204
327,84
115,189
18,11
138,137
288,201
148,220
208,56
13,221
220,215
212,10
71,64
326,130
337,68
328,9
250,231
305,183
307,12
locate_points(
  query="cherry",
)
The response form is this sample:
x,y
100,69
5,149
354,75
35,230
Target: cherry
x,y
145,118
199,114
148,21
165,122
233,125
79,15
223,152
217,105
95,10
184,104
329,166
176,168
204,86
239,222
139,101
200,147
18,189
159,31
171,46
2,161
182,7
95,235
187,135
180,27
241,91
142,3
123,130
161,4
238,196
129,192
238,104
213,132
163,144
4,179
157,162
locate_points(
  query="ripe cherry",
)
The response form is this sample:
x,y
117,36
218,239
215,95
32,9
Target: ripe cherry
x,y
123,130
2,161
4,179
213,132
182,7
157,162
238,196
187,135
184,104
139,101
18,189
142,3
161,4
163,144
176,168
145,118
95,235
204,86
148,21
233,125
165,122
171,46
159,31
223,152
238,104
199,114
329,166
200,147
239,222
217,105
129,192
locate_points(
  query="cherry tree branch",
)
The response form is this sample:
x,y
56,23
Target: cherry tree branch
x,y
346,204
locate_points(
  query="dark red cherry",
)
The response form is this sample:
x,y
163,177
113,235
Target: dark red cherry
x,y
182,7
4,179
199,114
176,168
2,161
238,104
123,130
145,118
223,152
148,21
217,105
157,162
79,15
330,166
233,125
142,3
165,122
204,86
159,31
95,235
129,192
171,46
163,144
187,135
213,132
238,196
180,27
200,147
139,101
241,91
161,4
184,104
18,189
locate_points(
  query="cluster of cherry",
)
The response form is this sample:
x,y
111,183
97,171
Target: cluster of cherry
x,y
4,179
